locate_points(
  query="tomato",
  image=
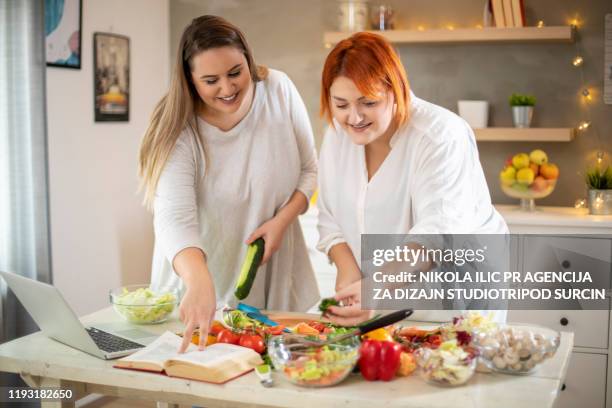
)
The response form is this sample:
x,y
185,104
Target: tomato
x,y
228,336
252,341
216,327
317,325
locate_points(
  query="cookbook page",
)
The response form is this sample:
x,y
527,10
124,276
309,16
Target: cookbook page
x,y
164,348
217,354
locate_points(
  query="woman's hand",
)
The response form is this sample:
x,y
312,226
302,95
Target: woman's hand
x,y
272,232
351,314
197,309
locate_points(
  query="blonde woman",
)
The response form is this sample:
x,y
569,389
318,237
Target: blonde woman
x,y
228,157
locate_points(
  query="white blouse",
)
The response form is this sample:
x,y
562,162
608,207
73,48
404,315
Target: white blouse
x,y
431,182
250,172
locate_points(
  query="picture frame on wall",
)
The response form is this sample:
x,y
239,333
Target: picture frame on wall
x,y
63,20
111,77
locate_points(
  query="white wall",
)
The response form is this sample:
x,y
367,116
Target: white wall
x,y
101,236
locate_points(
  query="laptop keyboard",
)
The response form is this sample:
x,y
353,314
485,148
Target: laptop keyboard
x,y
109,342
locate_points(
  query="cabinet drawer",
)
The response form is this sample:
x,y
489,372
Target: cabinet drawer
x,y
585,383
590,327
576,254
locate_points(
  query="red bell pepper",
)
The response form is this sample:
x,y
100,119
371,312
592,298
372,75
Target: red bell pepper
x,y
379,360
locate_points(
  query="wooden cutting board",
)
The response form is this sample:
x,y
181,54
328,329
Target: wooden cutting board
x,y
291,318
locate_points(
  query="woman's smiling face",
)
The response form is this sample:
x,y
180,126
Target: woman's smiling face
x,y
365,119
222,79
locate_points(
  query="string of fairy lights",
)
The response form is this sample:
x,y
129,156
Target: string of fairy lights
x,y
587,97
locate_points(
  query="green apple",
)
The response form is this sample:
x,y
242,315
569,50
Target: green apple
x,y
525,176
538,156
520,160
520,187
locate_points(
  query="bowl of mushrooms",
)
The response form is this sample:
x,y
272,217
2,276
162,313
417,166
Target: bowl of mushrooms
x,y
516,348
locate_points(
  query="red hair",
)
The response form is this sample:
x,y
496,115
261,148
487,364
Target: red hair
x,y
369,61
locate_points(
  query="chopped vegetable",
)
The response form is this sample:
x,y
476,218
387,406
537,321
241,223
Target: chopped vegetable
x,y
326,303
407,364
325,366
144,305
449,364
304,328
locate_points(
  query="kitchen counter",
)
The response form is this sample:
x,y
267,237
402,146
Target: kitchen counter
x,y
45,362
554,220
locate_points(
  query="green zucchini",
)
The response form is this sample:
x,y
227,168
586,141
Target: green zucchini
x,y
249,268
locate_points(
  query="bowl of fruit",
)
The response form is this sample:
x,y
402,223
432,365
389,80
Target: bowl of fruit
x,y
528,177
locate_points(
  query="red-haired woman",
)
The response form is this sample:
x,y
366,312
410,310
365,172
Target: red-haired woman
x,y
390,163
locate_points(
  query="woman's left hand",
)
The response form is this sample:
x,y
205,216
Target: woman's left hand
x,y
272,232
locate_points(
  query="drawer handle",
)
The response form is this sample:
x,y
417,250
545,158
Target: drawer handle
x,y
564,321
566,264
563,387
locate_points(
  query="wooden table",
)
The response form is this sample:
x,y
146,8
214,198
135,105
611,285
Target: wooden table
x,y
43,362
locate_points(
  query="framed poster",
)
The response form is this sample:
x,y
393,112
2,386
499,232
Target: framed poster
x,y
63,33
111,77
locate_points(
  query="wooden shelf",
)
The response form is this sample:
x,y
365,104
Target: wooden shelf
x,y
524,134
468,35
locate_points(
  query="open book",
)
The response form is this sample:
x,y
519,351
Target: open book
x,y
217,363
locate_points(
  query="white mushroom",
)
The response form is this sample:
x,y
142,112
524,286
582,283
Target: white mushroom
x,y
524,353
499,362
510,357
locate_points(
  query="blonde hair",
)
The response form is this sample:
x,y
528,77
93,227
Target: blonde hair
x,y
177,110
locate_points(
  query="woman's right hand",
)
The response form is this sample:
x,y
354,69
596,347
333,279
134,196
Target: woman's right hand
x,y
351,314
197,309
198,306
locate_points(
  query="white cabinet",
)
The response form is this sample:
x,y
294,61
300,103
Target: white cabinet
x,y
585,384
587,246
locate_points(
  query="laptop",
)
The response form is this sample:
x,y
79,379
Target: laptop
x,y
58,321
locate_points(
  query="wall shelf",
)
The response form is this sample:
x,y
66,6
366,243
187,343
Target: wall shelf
x,y
524,134
468,35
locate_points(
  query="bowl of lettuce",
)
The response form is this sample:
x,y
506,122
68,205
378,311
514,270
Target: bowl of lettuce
x,y
142,305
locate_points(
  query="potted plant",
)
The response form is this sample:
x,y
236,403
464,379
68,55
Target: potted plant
x,y
599,183
522,109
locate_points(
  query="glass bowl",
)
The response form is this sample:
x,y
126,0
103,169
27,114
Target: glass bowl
x,y
539,188
517,348
445,367
140,304
314,366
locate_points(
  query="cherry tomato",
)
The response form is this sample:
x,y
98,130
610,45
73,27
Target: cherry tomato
x,y
317,325
216,327
252,341
228,336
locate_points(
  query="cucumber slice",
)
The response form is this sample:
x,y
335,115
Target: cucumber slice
x,y
249,268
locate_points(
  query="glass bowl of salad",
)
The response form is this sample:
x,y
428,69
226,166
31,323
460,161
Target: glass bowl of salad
x,y
314,366
448,365
140,304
